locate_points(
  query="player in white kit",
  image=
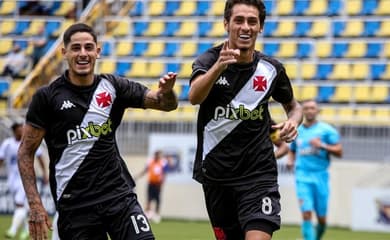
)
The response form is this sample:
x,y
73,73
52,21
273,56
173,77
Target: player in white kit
x,y
8,155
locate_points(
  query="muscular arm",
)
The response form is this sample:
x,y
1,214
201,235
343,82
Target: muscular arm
x,y
288,129
164,98
31,139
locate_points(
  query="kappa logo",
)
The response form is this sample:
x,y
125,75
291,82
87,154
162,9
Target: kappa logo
x,y
67,105
222,81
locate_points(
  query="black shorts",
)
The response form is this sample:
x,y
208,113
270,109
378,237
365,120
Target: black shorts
x,y
121,219
235,210
154,191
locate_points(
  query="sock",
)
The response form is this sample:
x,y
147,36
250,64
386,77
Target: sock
x,y
20,214
320,230
307,230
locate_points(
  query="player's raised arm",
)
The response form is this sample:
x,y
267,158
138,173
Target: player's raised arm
x,y
164,98
39,223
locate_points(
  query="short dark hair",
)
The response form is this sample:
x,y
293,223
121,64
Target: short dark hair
x,y
78,27
257,3
15,125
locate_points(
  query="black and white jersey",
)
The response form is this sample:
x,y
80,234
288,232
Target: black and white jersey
x,y
234,146
80,124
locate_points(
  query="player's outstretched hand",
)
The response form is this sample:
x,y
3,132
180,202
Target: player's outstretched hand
x,y
227,55
167,82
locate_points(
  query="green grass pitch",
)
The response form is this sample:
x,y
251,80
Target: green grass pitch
x,y
201,230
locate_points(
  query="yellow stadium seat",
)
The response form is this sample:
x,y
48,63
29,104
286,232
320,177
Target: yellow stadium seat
x,y
7,26
187,111
123,48
156,28
317,7
155,69
386,74
187,29
277,113
107,66
345,114
65,24
155,49
308,70
308,92
353,7
285,29
185,70
362,93
187,8
259,46
284,7
363,114
15,85
342,93
381,113
287,50
379,93
6,46
291,70
297,91
328,113
217,8
386,52
359,71
35,27
8,7
324,49
356,49
138,69
384,31
156,7
65,8
320,28
383,8
217,30
341,71
353,28
187,49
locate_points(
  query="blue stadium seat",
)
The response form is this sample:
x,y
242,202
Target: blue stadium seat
x,y
171,49
138,8
269,6
371,28
369,7
139,48
271,49
4,87
202,8
302,28
204,28
324,70
339,49
21,26
334,7
325,93
304,50
374,49
107,48
140,27
269,28
377,70
185,88
171,28
172,67
171,7
122,68
51,27
301,6
203,46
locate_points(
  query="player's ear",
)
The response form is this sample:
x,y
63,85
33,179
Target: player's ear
x,y
226,25
98,51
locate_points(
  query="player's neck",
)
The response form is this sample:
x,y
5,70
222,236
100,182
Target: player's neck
x,y
246,56
78,80
310,123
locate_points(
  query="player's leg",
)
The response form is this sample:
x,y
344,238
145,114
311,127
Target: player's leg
x,y
258,210
157,217
126,220
305,197
19,216
321,203
84,223
222,210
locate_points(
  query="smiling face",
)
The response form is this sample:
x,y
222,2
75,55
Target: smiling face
x,y
243,26
81,54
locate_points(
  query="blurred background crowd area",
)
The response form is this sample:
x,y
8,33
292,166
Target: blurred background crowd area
x,y
334,51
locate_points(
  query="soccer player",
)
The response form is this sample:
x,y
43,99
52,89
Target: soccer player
x,y
156,168
8,155
77,115
235,161
310,153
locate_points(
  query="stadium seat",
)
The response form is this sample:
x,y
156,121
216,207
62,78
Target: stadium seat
x,y
341,71
377,70
156,7
356,49
187,8
324,70
122,68
328,113
171,49
187,28
353,28
371,27
138,69
362,93
187,49
291,70
319,28
171,28
345,114
308,92
107,66
155,69
156,28
65,8
339,49
386,52
217,8
155,49
317,7
7,7
384,30
342,94
359,71
369,7
171,8
284,29
185,70
35,27
386,73
335,7
353,7
381,113
64,25
375,49
6,46
325,93
217,30
286,50
123,48
383,8
284,7
7,26
324,49
138,9
308,71
379,93
300,7
363,114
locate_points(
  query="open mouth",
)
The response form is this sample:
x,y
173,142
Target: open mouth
x,y
245,37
